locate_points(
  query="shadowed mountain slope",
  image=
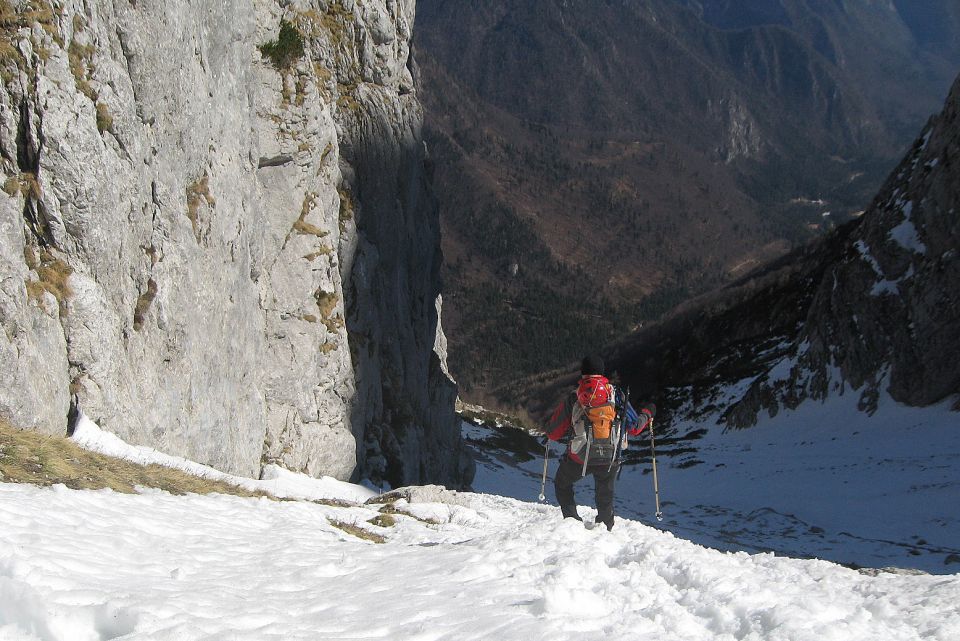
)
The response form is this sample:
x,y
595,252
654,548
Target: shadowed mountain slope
x,y
598,162
872,308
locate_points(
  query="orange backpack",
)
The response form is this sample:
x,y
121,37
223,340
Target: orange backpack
x,y
601,419
597,398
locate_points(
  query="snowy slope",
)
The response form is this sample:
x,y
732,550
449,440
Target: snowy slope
x,y
825,481
276,480
86,566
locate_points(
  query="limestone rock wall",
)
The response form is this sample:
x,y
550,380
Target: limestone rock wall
x,y
216,236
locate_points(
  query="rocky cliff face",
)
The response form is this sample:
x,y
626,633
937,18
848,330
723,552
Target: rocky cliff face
x,y
217,237
880,312
887,313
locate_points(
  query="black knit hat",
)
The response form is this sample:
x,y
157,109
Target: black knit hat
x,y
591,365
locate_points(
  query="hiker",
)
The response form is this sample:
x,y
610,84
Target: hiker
x,y
594,406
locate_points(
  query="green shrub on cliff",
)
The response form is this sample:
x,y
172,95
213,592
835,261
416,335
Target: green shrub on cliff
x,y
286,49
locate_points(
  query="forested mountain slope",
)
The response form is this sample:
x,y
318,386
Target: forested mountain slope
x,y
597,163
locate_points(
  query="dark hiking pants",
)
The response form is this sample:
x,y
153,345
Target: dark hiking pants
x,y
604,479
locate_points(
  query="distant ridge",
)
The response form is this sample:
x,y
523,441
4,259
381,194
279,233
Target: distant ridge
x,y
710,137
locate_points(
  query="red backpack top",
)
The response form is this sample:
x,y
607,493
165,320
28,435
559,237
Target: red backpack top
x,y
593,391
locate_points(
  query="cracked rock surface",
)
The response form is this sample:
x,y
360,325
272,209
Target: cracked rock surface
x,y
216,235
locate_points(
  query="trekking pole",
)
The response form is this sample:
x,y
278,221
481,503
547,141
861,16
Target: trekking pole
x,y
656,485
543,481
621,422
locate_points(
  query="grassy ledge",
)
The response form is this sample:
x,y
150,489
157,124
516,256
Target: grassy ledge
x,y
38,459
357,531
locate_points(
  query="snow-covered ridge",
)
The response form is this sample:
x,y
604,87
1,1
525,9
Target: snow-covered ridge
x,y
156,566
276,480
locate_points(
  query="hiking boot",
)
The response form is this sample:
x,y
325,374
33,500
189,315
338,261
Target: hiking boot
x,y
569,511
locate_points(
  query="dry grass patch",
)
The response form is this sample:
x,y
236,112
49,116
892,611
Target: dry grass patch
x,y
41,12
357,531
54,275
30,186
31,457
10,57
301,226
15,23
391,509
326,152
333,502
327,347
334,324
104,118
383,520
8,15
326,302
347,99
346,209
81,65
336,22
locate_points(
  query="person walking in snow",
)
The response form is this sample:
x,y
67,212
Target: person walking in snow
x,y
599,417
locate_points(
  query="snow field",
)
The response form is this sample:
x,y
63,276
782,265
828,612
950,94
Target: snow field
x,y
88,566
825,480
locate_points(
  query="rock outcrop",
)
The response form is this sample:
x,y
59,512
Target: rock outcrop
x,y
887,313
217,235
881,314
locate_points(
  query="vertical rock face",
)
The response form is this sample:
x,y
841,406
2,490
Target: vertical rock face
x,y
890,308
217,237
883,312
